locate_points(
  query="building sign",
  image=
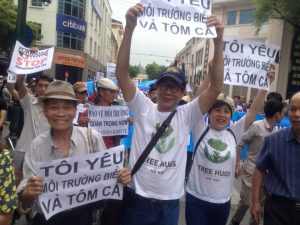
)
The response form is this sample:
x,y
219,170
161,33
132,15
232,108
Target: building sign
x,y
294,75
69,59
71,24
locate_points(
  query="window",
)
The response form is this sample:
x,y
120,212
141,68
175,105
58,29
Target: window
x,y
231,18
246,16
74,8
68,40
37,3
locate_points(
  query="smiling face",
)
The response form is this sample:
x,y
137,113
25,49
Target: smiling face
x,y
60,113
169,92
220,116
294,113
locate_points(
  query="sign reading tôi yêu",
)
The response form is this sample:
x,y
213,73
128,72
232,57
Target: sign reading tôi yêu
x,y
177,17
246,62
25,61
109,120
79,180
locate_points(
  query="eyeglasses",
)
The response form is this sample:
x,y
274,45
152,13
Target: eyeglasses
x,y
82,92
173,88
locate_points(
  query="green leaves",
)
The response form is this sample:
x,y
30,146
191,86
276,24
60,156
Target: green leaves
x,y
288,10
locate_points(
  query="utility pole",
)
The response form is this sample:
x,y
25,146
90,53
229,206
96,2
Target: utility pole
x,y
21,21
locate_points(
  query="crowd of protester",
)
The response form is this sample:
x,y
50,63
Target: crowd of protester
x,y
41,114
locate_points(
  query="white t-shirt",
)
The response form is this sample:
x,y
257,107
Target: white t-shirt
x,y
162,174
213,168
35,122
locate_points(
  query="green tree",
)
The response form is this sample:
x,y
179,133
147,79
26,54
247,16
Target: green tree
x,y
8,18
36,31
134,71
153,70
287,10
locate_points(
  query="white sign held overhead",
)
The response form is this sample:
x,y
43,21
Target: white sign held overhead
x,y
246,63
79,180
25,61
177,17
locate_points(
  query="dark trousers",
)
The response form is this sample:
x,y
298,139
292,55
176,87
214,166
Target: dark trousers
x,y
77,216
281,211
139,210
199,212
112,213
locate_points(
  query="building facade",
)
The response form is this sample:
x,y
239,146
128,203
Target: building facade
x,y
81,33
238,19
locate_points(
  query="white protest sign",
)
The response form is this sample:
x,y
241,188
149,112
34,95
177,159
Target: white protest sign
x,y
25,61
111,71
246,63
11,77
177,17
80,109
79,180
109,120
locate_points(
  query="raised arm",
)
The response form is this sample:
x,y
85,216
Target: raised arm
x,y
122,68
259,101
216,71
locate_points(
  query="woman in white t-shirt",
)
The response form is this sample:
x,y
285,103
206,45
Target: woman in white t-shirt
x,y
210,180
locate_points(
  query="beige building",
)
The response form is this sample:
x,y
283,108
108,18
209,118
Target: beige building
x,y
80,31
116,38
237,16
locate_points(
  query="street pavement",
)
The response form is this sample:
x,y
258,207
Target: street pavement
x,y
234,200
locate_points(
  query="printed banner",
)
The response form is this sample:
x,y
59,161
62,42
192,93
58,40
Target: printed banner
x,y
246,63
26,62
177,17
80,109
76,181
111,71
109,120
11,77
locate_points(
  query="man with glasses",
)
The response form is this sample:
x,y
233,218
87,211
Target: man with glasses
x,y
80,90
155,190
107,95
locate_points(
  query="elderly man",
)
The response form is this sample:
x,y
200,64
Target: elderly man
x,y
153,196
35,122
278,167
62,140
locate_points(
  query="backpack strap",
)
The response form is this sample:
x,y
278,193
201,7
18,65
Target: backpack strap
x,y
194,152
231,131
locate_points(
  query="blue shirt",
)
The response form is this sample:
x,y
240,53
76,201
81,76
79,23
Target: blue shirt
x,y
280,159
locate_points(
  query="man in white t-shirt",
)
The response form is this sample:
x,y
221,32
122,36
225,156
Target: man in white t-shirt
x,y
155,190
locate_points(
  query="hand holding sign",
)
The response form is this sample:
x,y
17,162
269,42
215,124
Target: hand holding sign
x,y
132,14
33,188
214,21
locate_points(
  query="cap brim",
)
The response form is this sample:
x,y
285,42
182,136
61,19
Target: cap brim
x,y
172,76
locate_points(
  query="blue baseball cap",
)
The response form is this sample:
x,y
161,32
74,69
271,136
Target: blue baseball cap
x,y
174,73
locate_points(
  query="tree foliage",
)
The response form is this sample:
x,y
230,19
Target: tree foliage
x,y
288,10
134,71
8,18
36,31
153,70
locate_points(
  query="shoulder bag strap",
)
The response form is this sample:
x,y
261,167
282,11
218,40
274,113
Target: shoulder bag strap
x,y
195,149
152,143
90,140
